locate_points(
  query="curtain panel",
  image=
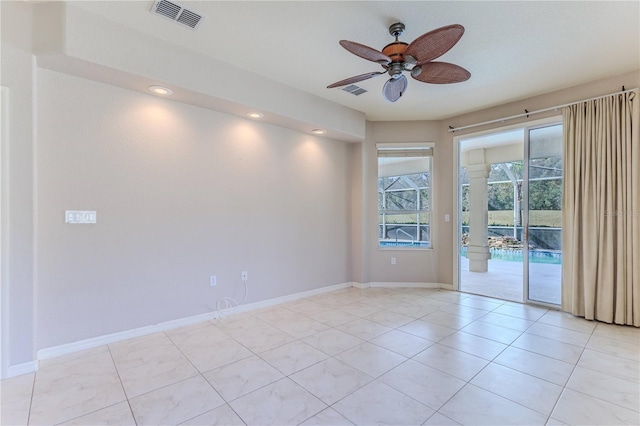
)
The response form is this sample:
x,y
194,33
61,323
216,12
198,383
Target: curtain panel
x,y
601,210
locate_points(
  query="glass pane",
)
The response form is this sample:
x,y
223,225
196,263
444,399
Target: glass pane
x,y
401,219
425,227
402,200
397,228
425,199
503,172
545,214
403,193
425,234
500,196
491,261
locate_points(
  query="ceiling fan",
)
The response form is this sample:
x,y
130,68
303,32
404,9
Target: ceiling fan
x,y
416,58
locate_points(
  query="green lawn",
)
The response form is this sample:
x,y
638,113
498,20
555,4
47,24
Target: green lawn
x,y
405,219
550,218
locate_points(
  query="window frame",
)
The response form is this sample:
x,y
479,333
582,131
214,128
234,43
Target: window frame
x,y
398,150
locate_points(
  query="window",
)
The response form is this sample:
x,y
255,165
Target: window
x,y
404,195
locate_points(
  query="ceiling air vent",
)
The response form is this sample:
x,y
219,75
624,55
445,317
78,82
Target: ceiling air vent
x,y
354,90
177,13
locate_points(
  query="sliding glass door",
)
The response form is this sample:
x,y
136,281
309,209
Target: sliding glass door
x,y
510,208
542,214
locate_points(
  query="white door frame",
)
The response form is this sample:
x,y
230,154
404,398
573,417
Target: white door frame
x,y
525,210
458,203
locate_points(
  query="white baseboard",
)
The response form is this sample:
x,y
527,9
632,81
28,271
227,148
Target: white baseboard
x,y
404,285
361,285
291,297
94,342
398,285
20,369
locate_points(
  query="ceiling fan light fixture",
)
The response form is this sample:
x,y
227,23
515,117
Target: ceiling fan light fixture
x,y
393,89
416,71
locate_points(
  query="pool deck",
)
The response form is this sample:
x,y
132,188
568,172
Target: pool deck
x,y
504,279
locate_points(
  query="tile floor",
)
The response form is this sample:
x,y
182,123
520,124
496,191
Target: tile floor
x,y
364,357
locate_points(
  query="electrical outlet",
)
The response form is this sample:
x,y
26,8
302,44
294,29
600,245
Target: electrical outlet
x,y
393,260
244,276
213,280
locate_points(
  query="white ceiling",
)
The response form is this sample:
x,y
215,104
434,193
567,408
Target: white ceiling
x,y
514,50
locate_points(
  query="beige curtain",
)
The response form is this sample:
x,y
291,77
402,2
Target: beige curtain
x,y
601,210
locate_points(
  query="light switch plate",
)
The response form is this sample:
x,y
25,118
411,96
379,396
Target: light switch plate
x,y
80,216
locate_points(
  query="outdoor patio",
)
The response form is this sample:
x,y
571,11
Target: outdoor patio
x,y
503,280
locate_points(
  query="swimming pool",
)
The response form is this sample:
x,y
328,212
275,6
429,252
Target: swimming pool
x,y
423,244
535,256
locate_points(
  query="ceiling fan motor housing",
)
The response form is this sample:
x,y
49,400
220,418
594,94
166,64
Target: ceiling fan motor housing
x,y
395,51
395,69
395,87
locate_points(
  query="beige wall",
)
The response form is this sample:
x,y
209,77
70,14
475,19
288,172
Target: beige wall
x,y
184,192
412,265
359,269
18,288
71,40
181,193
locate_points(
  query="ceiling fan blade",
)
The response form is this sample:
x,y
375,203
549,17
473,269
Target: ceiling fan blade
x,y
435,43
394,88
440,73
365,52
354,79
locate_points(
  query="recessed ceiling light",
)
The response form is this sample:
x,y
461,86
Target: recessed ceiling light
x,y
255,115
159,90
318,131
